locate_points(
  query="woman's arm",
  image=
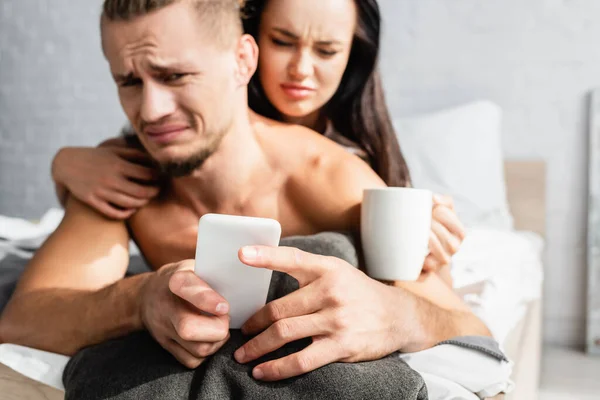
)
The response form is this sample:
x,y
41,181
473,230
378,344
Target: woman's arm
x,y
112,178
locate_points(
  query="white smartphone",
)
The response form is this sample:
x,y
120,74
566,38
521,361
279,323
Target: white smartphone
x,y
217,263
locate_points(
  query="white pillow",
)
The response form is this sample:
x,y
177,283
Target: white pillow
x,y
458,152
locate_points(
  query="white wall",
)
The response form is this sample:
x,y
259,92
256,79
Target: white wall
x,y
537,59
55,90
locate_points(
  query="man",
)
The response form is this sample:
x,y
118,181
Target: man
x,y
184,92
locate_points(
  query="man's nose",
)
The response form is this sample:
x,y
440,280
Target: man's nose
x,y
157,103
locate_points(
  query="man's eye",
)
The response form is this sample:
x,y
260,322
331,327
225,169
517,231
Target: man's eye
x,y
173,77
131,82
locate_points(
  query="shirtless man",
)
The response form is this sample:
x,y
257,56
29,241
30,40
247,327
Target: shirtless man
x,y
184,92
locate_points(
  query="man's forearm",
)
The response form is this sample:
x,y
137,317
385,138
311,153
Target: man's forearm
x,y
431,324
64,320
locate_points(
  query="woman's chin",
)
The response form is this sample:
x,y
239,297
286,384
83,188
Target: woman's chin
x,y
297,112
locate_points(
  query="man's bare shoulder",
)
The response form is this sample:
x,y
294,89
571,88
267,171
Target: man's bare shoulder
x,y
82,221
87,251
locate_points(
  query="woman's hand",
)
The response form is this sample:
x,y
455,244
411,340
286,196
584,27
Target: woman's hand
x,y
112,178
447,234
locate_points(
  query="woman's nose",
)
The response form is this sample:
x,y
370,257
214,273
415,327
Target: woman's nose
x,y
301,66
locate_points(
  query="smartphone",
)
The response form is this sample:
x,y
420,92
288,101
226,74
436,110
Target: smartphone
x,y
217,263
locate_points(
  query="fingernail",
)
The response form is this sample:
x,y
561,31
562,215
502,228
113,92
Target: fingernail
x,y
249,252
222,308
258,373
240,355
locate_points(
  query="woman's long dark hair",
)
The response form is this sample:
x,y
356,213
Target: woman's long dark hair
x,y
357,110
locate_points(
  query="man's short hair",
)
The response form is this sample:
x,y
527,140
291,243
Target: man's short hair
x,y
223,17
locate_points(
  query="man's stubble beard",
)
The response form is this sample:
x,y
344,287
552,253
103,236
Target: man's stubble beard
x,y
183,167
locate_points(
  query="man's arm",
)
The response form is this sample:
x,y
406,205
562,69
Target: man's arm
x,y
335,191
436,314
72,293
350,316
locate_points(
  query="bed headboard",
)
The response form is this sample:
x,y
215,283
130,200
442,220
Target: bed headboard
x,y
526,192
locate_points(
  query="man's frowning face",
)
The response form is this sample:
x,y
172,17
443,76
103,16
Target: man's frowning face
x,y
176,83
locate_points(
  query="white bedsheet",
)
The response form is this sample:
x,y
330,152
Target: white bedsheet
x,y
452,372
497,272
26,234
38,365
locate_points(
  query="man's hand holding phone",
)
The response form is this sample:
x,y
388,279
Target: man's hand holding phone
x,y
189,306
184,315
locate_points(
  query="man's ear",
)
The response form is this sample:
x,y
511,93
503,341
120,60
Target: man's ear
x,y
247,59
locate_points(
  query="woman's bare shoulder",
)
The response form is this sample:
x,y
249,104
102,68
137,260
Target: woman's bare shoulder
x,y
296,143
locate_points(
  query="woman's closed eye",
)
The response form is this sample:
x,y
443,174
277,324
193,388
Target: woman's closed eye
x,y
327,52
281,43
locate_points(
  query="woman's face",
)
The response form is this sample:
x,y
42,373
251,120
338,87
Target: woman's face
x,y
304,49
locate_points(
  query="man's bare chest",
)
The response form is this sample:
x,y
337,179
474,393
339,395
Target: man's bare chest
x,y
168,233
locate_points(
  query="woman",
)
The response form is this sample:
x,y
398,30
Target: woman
x,y
317,68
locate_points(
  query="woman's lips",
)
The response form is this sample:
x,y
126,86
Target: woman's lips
x,y
297,92
165,134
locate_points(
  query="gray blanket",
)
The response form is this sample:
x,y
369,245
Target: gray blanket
x,y
136,367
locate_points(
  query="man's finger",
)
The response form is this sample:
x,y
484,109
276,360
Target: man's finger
x,y
181,354
300,302
201,349
193,327
303,266
318,354
189,287
279,334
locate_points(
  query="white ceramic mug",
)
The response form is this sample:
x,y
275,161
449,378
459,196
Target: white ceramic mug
x,y
395,229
